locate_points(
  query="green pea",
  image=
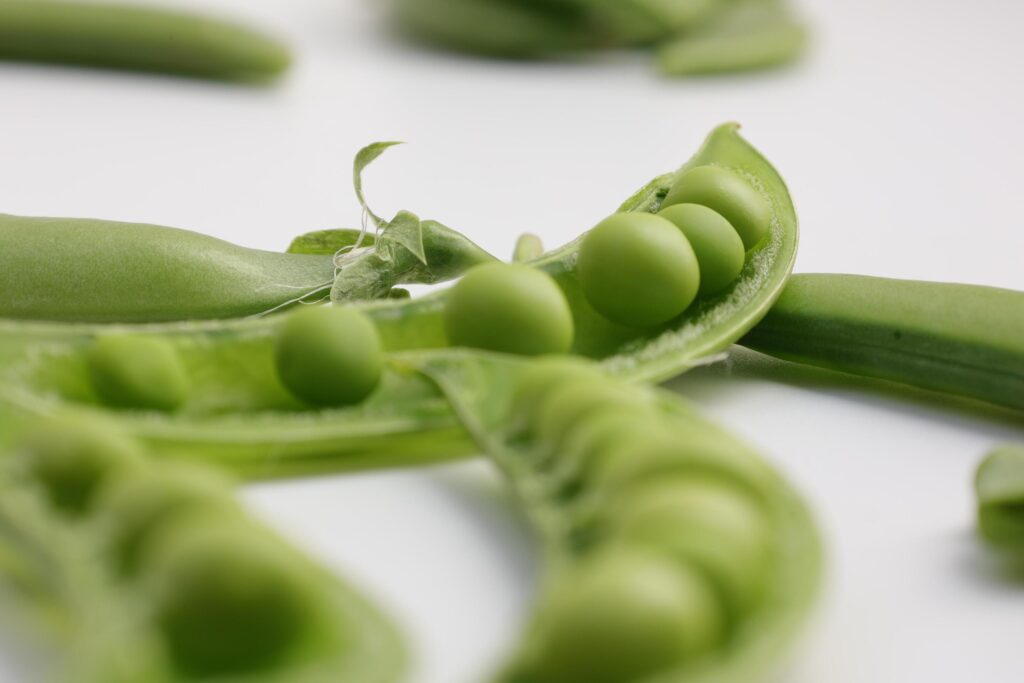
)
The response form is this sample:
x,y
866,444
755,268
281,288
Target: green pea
x,y
700,519
543,376
716,243
727,193
637,269
625,615
511,308
228,600
71,458
139,502
571,405
140,372
605,430
660,454
329,356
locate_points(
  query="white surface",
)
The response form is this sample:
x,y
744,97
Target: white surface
x,y
900,137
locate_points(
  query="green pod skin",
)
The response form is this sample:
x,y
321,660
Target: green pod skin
x,y
329,356
691,37
751,35
137,372
117,36
511,308
999,487
621,599
211,593
76,270
964,340
240,416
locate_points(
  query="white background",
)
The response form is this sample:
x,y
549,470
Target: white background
x,y
900,137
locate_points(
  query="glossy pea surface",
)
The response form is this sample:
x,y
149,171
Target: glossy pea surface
x,y
140,372
727,193
715,242
638,269
625,615
511,308
329,356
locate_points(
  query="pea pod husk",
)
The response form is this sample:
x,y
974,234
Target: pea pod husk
x,y
239,415
481,386
61,579
964,340
137,38
999,487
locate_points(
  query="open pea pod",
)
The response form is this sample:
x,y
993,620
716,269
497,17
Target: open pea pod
x,y
137,570
672,552
238,413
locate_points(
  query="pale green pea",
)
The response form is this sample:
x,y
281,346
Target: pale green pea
x,y
698,519
543,376
659,455
138,502
637,269
228,600
72,457
571,405
329,355
624,615
605,430
510,308
137,372
716,243
727,193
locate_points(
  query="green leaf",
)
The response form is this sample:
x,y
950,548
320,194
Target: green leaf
x,y
364,158
406,230
330,242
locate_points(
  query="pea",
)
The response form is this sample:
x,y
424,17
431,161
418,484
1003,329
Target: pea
x,y
510,308
228,601
625,615
543,376
716,243
657,455
139,372
71,457
700,519
329,356
570,406
606,430
138,502
637,269
727,193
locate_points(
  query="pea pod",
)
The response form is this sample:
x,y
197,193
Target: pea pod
x,y
237,411
999,487
965,340
691,36
136,38
209,594
677,556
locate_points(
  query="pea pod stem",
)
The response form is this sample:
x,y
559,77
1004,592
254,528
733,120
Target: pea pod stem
x,y
959,339
137,38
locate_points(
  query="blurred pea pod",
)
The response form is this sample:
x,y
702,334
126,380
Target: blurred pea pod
x,y
137,38
690,37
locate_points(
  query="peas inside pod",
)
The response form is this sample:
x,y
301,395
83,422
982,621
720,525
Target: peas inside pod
x,y
207,594
642,270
